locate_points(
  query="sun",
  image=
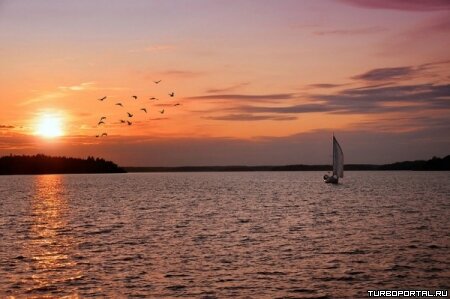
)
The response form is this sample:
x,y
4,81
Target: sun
x,y
49,126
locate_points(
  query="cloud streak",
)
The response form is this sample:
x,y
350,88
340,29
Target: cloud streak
x,y
372,100
397,73
229,88
181,73
80,87
155,48
360,31
245,97
325,85
409,5
389,99
382,93
250,117
382,74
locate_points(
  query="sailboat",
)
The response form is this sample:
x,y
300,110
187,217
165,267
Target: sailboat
x,y
338,164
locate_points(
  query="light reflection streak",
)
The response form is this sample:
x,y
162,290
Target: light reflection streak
x,y
51,246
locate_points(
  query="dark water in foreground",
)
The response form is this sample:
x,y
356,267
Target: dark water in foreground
x,y
220,235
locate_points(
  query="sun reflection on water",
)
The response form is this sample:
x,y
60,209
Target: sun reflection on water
x,y
51,245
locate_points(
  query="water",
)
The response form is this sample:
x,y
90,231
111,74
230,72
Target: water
x,y
220,235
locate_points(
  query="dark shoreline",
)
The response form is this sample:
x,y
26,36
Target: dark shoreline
x,y
41,164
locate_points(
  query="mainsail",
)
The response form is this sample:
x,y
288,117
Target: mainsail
x,y
338,159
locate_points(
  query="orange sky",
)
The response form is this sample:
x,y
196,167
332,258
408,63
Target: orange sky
x,y
257,81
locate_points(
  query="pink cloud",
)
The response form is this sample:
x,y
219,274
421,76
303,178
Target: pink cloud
x,y
409,5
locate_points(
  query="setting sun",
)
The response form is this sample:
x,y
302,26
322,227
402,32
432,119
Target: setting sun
x,y
49,126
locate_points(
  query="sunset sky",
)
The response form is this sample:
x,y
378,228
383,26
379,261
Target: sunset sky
x,y
258,81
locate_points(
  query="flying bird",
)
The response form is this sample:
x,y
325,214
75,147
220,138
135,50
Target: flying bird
x,y
135,97
153,98
156,82
171,94
102,99
162,111
143,109
102,118
129,123
122,121
101,123
177,104
96,136
104,134
119,104
129,114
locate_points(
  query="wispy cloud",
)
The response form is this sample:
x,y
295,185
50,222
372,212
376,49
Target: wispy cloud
x,y
372,100
405,123
181,73
80,87
245,97
377,91
159,118
360,31
389,73
251,117
398,73
228,88
423,34
389,99
293,109
49,96
325,85
60,93
409,5
155,48
435,25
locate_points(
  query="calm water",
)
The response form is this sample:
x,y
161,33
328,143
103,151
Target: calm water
x,y
220,235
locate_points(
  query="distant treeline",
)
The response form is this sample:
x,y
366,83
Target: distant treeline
x,y
41,164
432,164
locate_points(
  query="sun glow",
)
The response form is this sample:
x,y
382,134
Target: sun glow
x,y
49,126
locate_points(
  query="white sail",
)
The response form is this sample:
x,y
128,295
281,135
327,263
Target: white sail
x,y
338,159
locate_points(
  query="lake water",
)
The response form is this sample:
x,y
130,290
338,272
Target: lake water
x,y
221,235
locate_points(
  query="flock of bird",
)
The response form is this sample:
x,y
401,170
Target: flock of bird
x,y
129,114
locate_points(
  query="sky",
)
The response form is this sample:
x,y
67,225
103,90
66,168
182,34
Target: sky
x,y
257,81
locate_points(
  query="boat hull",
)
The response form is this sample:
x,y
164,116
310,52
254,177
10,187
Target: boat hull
x,y
331,179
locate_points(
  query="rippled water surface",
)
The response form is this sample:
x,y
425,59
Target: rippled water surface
x,y
220,235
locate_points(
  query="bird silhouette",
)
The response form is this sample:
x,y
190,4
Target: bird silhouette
x,y
102,118
102,99
153,98
177,104
129,114
119,104
162,111
171,94
156,82
122,121
96,136
104,134
101,123
135,97
143,109
129,123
